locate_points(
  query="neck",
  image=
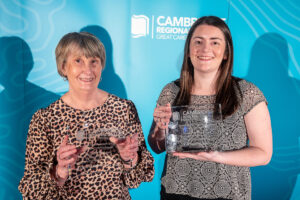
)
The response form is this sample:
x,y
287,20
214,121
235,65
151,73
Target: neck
x,y
204,84
84,100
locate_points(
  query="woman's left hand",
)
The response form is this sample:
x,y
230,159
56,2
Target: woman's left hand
x,y
127,147
205,156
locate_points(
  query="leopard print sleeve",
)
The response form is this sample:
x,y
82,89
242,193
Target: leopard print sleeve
x,y
36,182
144,169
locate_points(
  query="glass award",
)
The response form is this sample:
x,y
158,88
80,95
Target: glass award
x,y
95,141
194,128
99,137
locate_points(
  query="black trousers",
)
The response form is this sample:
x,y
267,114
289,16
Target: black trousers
x,y
167,196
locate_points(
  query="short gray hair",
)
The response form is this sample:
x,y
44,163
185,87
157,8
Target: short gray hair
x,y
89,44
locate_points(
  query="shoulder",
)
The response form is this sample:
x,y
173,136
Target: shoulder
x,y
172,87
117,103
244,84
248,88
45,116
48,111
122,107
251,95
115,100
168,93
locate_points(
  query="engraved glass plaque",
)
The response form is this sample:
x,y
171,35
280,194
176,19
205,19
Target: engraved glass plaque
x,y
97,137
194,128
95,141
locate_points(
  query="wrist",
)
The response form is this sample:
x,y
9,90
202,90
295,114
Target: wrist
x,y
217,156
131,163
126,162
60,181
159,135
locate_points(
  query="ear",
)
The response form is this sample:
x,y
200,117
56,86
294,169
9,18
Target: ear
x,y
63,70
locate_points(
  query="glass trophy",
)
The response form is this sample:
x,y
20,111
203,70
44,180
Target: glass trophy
x,y
194,128
95,142
99,137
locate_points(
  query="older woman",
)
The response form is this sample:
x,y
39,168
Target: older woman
x,y
68,153
246,139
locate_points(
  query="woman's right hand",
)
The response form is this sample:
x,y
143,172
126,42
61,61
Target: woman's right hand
x,y
162,115
66,158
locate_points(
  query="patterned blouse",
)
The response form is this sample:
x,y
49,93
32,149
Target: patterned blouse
x,y
99,172
203,179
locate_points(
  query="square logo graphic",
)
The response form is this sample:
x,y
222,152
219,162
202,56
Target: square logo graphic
x,y
139,26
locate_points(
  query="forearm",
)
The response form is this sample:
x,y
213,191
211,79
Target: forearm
x,y
38,185
142,171
249,157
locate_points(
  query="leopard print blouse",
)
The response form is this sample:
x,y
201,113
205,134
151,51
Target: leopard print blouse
x,y
210,180
99,172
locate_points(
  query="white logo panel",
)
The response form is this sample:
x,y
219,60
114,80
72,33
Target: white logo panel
x,y
139,26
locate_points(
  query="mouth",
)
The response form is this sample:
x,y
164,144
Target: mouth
x,y
86,80
205,58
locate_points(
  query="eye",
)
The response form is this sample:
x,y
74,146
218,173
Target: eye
x,y
198,42
215,43
77,60
95,61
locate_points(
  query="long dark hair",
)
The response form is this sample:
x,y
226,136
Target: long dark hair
x,y
226,83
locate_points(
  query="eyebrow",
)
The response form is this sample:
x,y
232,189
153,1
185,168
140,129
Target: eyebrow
x,y
212,38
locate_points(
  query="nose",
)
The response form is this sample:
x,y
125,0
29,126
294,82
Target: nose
x,y
87,67
206,47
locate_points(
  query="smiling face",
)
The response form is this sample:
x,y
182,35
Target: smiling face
x,y
207,49
82,73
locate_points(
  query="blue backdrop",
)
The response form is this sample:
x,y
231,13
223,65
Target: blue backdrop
x,y
144,42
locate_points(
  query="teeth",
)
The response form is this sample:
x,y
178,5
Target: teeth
x,y
86,79
204,57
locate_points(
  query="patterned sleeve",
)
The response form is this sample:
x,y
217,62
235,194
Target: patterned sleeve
x,y
144,169
168,94
252,96
36,182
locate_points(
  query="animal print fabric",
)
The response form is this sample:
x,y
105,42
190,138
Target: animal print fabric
x,y
99,172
